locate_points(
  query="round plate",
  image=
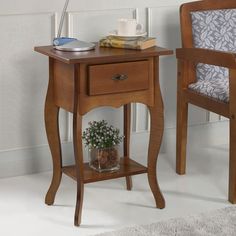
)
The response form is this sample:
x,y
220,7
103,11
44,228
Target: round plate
x,y
123,37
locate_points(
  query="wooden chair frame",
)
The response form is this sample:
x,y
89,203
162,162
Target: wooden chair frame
x,y
188,57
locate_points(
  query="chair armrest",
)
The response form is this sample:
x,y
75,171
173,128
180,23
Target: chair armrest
x,y
207,56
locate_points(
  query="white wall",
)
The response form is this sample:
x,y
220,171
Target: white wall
x,y
24,73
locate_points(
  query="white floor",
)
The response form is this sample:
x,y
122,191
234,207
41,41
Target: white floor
x,y
107,205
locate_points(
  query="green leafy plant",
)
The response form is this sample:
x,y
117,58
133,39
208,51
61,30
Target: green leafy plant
x,y
101,135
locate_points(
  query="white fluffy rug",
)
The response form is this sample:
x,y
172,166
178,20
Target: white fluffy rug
x,y
218,223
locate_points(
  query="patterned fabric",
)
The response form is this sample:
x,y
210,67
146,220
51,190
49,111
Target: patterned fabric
x,y
214,30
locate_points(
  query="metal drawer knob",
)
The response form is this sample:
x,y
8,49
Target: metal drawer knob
x,y
120,77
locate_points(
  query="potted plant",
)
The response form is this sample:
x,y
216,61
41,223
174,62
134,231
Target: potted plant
x,y
102,141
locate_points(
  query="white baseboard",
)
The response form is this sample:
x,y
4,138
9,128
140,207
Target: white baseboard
x,y
30,160
38,159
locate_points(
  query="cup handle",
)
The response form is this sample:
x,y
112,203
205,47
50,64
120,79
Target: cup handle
x,y
139,28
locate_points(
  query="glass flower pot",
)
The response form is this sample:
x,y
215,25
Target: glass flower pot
x,y
104,159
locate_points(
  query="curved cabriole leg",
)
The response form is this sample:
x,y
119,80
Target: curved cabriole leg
x,y
156,133
127,122
78,153
51,113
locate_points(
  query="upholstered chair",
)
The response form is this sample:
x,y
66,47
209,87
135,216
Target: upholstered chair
x,y
207,72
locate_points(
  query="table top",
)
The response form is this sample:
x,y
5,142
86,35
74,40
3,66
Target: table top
x,y
100,53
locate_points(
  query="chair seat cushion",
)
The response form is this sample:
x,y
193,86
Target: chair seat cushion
x,y
214,88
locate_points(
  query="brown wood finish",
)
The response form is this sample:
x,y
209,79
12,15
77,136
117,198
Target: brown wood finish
x,y
188,57
102,55
51,112
127,130
78,151
128,167
156,133
182,117
213,105
64,81
118,77
116,99
68,88
207,56
232,131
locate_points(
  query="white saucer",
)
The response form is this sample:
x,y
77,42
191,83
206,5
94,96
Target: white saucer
x,y
124,37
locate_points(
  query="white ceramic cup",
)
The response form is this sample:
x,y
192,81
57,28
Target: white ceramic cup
x,y
128,27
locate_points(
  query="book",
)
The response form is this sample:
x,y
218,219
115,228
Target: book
x,y
137,44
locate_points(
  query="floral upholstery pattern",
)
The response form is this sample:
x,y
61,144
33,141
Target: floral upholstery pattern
x,y
214,30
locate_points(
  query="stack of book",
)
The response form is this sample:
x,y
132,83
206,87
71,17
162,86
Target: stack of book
x,y
139,43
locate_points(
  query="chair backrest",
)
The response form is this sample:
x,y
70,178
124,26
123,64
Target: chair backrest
x,y
209,24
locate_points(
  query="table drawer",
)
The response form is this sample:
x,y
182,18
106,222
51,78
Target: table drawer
x,y
118,77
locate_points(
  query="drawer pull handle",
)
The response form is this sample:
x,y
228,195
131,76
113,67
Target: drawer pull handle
x,y
120,77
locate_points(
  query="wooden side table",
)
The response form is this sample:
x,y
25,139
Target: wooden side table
x,y
81,81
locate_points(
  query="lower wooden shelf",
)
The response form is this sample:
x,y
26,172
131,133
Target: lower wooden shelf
x,y
128,167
